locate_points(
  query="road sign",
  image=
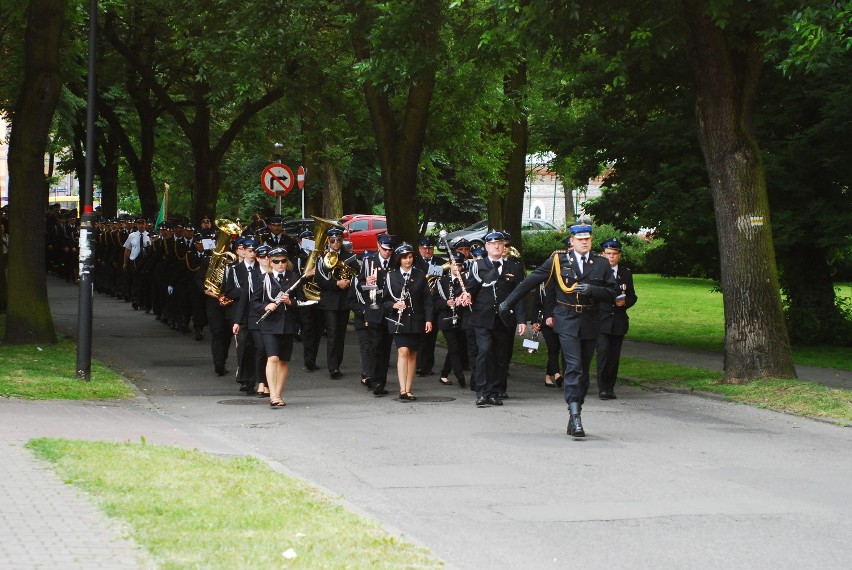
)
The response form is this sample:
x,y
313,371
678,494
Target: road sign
x,y
277,179
300,177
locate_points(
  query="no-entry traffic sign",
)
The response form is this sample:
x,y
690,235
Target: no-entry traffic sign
x,y
300,177
277,179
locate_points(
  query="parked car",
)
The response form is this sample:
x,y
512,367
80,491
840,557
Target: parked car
x,y
297,226
475,233
361,230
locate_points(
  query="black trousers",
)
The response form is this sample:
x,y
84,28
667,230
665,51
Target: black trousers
x,y
426,352
577,354
364,345
220,332
492,360
380,347
551,341
259,356
454,362
335,328
312,321
609,353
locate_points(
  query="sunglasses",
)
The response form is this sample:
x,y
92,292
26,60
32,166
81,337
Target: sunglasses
x,y
334,240
276,261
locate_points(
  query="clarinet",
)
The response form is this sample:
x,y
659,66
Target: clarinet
x,y
279,298
403,296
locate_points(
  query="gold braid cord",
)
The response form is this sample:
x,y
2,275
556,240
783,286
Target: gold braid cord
x,y
555,270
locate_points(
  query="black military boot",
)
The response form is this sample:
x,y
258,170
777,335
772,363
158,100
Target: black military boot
x,y
575,424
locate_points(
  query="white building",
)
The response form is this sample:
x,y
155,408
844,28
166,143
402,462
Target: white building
x,y
545,196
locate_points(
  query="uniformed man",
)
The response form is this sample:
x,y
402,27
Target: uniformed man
x,y
490,282
431,265
614,321
580,281
369,293
334,303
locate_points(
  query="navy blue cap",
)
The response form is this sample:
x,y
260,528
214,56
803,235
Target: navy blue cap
x,y
506,235
275,220
612,244
306,234
239,241
461,242
334,232
385,241
249,242
197,238
478,252
459,258
277,252
403,249
262,250
426,242
581,230
494,235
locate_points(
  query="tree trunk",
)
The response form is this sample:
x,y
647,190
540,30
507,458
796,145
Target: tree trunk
x,y
28,319
515,86
726,74
332,204
400,143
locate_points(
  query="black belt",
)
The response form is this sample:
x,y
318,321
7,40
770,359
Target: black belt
x,y
579,308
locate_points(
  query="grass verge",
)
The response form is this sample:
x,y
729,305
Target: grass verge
x,y
50,372
791,396
193,510
688,312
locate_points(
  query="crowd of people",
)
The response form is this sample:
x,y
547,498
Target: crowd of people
x,y
262,290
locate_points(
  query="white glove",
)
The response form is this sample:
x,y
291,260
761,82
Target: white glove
x,y
171,289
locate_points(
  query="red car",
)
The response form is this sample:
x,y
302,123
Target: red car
x,y
361,230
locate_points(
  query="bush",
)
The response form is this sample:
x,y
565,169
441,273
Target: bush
x,y
539,246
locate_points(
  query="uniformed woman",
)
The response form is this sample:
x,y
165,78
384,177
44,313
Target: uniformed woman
x,y
408,304
277,299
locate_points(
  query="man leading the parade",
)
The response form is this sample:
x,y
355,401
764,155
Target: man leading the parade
x,y
579,281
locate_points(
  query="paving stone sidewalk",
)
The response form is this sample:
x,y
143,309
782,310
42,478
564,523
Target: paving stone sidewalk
x,y
46,523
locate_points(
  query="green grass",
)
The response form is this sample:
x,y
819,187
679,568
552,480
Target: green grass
x,y
193,510
791,396
50,372
688,312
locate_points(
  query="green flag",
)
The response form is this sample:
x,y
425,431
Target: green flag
x,y
161,217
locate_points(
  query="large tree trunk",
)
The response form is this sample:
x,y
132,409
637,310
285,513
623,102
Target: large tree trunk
x,y
515,86
400,142
28,319
726,74
332,205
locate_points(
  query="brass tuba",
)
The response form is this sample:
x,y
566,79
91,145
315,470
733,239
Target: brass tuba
x,y
321,227
339,268
222,257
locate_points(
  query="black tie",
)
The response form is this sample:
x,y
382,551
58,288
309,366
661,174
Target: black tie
x,y
497,265
281,281
384,264
141,242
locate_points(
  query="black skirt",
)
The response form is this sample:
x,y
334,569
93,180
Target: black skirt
x,y
404,340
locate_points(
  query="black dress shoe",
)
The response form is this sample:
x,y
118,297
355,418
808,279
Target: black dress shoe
x,y
494,401
504,396
607,395
335,374
311,365
243,388
461,381
558,379
481,402
220,371
379,389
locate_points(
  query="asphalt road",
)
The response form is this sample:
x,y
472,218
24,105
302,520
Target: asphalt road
x,y
662,481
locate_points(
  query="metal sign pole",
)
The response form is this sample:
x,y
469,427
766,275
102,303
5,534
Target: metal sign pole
x,y
86,243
